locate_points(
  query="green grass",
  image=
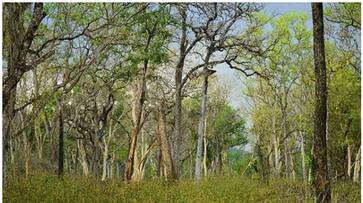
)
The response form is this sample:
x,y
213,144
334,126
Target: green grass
x,y
46,188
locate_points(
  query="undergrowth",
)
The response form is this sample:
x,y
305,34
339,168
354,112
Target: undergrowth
x,y
48,188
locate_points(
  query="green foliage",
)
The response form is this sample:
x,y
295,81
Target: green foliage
x,y
151,37
241,162
227,125
348,14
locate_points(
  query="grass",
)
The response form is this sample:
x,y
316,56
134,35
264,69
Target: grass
x,y
47,188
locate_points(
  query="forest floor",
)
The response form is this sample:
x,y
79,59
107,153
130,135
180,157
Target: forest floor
x,y
46,188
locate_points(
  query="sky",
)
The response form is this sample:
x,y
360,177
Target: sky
x,y
233,80
230,77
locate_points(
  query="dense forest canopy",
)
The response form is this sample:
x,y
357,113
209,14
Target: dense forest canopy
x,y
133,91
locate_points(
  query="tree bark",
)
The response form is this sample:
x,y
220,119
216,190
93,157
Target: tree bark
x,y
286,147
320,165
19,46
276,143
356,172
106,143
83,157
165,152
292,168
218,159
302,150
96,154
205,144
349,162
61,140
15,27
39,138
198,160
27,148
50,130
137,114
178,97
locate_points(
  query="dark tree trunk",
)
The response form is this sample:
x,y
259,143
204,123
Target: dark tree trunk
x,y
178,98
20,42
218,159
61,141
177,122
15,27
320,163
96,158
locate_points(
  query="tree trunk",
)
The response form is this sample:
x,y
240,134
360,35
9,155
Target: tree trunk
x,y
292,168
356,172
131,155
178,95
139,94
276,143
16,67
50,130
39,138
205,154
205,144
191,167
302,150
96,156
286,147
277,155
349,162
105,157
10,80
27,160
106,144
12,151
198,160
160,164
165,153
61,140
27,148
83,157
270,159
218,159
320,165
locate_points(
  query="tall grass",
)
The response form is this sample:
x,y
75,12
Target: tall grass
x,y
47,188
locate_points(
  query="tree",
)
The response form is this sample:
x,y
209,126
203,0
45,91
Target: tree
x,y
213,33
320,162
154,35
17,61
201,127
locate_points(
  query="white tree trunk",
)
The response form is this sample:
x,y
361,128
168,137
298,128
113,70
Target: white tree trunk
x,y
83,157
349,160
356,173
198,159
205,148
302,150
105,155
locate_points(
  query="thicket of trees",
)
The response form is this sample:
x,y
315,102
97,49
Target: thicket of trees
x,y
126,90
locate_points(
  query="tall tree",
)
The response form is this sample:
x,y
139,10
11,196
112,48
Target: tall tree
x,y
153,36
20,42
320,161
201,127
